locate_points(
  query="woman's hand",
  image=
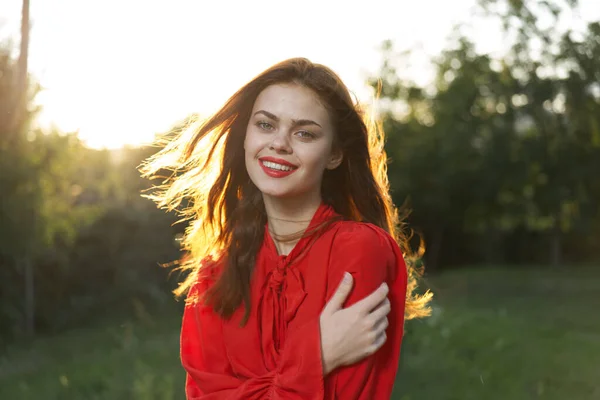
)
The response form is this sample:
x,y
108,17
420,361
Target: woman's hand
x,y
348,335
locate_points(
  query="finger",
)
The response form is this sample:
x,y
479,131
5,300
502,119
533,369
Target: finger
x,y
381,326
381,311
367,304
341,294
377,343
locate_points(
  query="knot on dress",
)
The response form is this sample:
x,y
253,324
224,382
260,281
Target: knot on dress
x,y
282,296
277,277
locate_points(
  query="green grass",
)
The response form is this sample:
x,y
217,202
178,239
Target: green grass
x,y
129,360
506,334
495,334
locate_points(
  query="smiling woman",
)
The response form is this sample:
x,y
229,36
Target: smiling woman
x,y
298,287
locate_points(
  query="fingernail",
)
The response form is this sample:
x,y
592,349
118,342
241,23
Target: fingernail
x,y
384,285
347,277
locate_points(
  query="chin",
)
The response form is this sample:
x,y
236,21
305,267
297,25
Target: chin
x,y
274,188
281,189
280,193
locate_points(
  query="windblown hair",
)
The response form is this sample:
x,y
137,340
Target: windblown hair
x,y
210,187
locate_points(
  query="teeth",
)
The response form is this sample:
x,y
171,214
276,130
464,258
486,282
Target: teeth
x,y
279,167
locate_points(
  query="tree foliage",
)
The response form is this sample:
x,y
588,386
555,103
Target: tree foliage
x,y
499,156
76,215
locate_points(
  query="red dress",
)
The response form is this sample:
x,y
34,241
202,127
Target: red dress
x,y
277,354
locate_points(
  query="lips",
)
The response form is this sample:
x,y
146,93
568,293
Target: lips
x,y
273,172
280,161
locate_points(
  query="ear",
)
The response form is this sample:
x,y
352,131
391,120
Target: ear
x,y
335,160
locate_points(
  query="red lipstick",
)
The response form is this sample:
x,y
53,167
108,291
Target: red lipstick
x,y
278,161
277,173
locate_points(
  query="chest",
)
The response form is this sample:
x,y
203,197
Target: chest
x,y
284,296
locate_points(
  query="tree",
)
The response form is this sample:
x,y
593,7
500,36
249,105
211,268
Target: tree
x,y
498,150
18,210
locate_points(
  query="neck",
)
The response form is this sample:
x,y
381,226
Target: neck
x,y
288,217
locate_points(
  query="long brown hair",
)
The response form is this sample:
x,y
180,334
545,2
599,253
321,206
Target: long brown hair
x,y
226,210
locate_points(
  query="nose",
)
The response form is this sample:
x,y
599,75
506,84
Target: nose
x,y
280,143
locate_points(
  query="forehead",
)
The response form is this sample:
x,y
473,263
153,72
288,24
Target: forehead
x,y
291,101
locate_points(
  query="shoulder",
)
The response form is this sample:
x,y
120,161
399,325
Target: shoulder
x,y
360,242
367,252
362,234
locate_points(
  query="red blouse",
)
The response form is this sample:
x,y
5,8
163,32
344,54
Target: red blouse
x,y
277,354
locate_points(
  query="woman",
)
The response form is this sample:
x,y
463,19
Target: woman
x,y
292,245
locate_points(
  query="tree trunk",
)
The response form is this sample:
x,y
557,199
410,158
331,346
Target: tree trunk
x,y
21,84
18,115
29,297
556,247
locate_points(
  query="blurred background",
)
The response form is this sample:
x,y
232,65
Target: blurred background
x,y
492,111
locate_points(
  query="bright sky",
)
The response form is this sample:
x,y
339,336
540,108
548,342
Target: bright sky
x,y
121,70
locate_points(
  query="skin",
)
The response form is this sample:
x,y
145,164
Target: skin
x,y
279,127
289,122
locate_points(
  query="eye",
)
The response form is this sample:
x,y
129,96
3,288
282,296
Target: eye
x,y
305,135
264,125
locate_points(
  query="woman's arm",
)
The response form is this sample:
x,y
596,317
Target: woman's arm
x,y
372,257
299,374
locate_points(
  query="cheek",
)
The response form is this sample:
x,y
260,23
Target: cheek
x,y
247,137
316,160
249,143
253,142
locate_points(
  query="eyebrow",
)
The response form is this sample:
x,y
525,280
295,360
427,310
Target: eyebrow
x,y
295,122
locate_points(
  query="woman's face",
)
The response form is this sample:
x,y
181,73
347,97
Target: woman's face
x,y
289,142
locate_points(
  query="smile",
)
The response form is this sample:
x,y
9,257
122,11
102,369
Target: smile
x,y
280,167
275,169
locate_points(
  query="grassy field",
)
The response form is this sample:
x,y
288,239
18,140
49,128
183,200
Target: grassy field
x,y
495,334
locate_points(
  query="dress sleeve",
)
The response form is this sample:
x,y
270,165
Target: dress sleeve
x,y
372,257
209,376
